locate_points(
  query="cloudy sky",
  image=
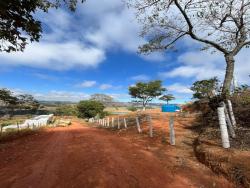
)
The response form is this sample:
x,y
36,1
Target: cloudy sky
x,y
94,50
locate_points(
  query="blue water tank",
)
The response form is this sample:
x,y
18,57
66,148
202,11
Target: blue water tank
x,y
170,108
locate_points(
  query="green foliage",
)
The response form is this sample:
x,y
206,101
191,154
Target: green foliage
x,y
6,96
146,92
66,110
28,102
167,98
17,22
90,108
132,108
205,89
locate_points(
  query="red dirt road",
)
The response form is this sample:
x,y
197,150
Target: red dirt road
x,y
81,156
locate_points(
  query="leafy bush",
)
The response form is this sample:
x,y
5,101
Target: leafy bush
x,y
132,108
90,108
66,110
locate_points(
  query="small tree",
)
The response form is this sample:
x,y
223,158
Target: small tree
x,y
220,24
167,98
205,89
90,109
9,100
146,92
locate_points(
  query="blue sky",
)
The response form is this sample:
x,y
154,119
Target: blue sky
x,y
94,50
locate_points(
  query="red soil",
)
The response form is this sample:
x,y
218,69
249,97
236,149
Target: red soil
x,y
82,156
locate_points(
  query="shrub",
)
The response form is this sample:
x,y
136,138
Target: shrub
x,y
132,108
90,108
66,110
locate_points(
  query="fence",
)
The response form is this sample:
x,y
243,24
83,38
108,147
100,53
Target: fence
x,y
138,121
36,122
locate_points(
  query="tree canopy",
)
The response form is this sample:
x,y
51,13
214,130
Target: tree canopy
x,y
167,98
7,98
223,25
145,92
205,89
18,24
90,108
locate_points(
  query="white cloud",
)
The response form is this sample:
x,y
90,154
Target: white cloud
x,y
203,65
61,96
81,39
44,76
105,86
54,95
56,56
155,56
141,77
179,88
87,84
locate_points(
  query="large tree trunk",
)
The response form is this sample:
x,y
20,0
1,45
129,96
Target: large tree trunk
x,y
228,76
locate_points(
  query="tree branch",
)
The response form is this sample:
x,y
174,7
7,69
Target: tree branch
x,y
193,35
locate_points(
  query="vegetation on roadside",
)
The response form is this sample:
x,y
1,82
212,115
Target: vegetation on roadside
x,y
66,110
144,93
90,109
132,108
167,98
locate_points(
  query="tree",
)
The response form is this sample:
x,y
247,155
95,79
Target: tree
x,y
146,92
90,108
7,98
27,101
167,98
205,89
18,24
223,25
105,99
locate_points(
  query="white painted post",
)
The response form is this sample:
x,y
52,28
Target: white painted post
x,y
150,126
138,125
171,132
112,122
223,127
228,121
118,122
125,123
18,128
231,113
108,122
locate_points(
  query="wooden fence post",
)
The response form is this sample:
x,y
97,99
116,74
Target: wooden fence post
x,y
1,127
223,127
138,125
118,122
150,126
108,121
112,122
125,123
18,128
171,132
